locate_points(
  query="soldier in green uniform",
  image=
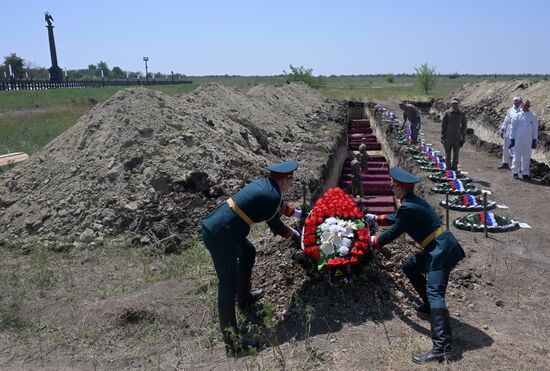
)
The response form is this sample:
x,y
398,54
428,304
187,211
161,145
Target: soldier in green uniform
x,y
224,233
356,174
428,271
364,156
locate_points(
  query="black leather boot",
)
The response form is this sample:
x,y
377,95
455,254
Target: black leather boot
x,y
423,305
247,299
245,296
441,337
235,343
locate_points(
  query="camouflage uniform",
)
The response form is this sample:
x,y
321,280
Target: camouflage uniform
x,y
453,132
356,182
364,157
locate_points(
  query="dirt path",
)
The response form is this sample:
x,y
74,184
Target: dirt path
x,y
513,303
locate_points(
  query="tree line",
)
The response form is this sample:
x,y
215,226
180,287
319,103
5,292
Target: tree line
x,y
22,69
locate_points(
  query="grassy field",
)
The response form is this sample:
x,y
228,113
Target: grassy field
x,y
30,119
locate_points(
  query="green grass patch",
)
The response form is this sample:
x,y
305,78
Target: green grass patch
x,y
193,261
17,100
30,132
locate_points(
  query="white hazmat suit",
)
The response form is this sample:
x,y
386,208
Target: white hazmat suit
x,y
506,128
524,129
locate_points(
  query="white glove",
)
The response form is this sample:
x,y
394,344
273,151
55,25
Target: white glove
x,y
370,217
372,243
297,213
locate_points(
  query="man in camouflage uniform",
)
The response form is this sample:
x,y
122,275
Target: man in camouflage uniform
x,y
364,157
356,181
453,132
411,113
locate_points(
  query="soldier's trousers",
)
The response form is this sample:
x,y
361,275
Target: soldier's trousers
x,y
356,187
451,154
430,284
233,264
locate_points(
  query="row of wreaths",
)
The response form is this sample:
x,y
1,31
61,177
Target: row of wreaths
x,y
463,194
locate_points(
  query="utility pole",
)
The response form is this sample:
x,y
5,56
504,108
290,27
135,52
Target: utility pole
x,y
146,59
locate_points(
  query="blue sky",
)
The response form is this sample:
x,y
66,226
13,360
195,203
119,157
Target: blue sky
x,y
209,37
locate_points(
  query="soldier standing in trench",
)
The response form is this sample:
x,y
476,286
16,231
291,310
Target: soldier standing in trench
x,y
224,233
429,270
356,176
411,113
453,133
364,156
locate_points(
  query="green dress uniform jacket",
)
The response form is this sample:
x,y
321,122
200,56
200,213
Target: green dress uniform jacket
x,y
260,200
418,219
224,234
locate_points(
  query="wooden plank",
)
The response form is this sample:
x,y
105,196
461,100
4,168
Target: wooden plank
x,y
12,158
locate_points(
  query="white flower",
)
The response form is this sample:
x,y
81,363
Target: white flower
x,y
346,242
336,236
327,248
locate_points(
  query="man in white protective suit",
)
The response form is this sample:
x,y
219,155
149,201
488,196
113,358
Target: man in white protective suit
x,y
506,130
523,139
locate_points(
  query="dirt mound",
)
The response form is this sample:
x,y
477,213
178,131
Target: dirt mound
x,y
485,104
150,165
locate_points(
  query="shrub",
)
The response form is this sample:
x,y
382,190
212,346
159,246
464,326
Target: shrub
x,y
305,75
426,77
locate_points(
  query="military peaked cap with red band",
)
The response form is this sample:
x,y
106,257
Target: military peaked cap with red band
x,y
403,178
283,170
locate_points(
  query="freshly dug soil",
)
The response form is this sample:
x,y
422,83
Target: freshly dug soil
x,y
485,104
150,166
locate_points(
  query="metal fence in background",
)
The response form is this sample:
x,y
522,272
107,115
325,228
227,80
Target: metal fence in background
x,y
14,84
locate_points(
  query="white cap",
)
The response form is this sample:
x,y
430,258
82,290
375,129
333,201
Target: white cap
x,y
517,98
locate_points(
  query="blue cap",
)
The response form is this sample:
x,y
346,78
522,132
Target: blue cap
x,y
403,177
284,169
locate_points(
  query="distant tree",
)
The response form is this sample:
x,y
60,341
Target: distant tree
x,y
16,64
103,66
305,75
390,77
454,75
426,77
117,73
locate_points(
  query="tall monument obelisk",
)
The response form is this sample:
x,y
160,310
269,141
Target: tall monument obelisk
x,y
56,74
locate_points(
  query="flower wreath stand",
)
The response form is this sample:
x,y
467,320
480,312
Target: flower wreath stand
x,y
456,187
335,236
467,202
495,223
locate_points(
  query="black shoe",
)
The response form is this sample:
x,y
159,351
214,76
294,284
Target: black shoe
x,y
516,176
421,307
250,298
503,166
432,355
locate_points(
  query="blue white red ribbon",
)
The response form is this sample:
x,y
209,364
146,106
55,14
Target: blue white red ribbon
x,y
450,174
457,185
491,221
